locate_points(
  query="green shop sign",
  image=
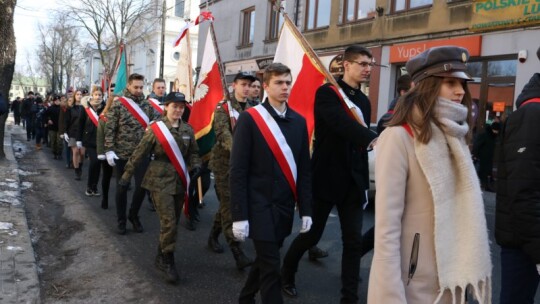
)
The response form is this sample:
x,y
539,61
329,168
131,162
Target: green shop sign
x,y
496,14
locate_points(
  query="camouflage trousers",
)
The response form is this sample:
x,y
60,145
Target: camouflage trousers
x,y
168,210
223,218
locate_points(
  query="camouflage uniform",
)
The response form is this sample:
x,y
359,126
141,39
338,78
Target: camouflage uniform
x,y
219,164
123,132
161,178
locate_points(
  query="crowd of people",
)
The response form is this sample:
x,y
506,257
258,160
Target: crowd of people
x,y
430,237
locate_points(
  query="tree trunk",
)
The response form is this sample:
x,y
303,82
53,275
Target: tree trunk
x,y
8,50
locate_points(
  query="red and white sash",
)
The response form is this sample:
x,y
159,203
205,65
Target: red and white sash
x,y
135,110
277,143
92,114
169,145
155,103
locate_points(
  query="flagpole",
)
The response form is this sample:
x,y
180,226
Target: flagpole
x,y
190,70
311,53
226,93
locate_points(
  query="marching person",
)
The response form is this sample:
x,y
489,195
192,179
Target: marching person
x,y
431,242
225,117
267,180
127,119
52,117
71,123
100,150
340,172
172,142
88,136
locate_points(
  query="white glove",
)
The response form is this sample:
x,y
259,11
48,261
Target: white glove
x,y
538,268
62,136
240,230
101,157
306,224
79,144
111,156
66,138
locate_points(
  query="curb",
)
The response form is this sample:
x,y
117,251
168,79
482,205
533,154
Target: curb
x,y
19,282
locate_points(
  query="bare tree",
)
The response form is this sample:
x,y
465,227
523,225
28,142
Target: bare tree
x,y
8,51
109,23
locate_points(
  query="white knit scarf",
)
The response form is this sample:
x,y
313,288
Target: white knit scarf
x,y
461,241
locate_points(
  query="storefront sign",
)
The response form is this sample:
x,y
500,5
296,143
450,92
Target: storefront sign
x,y
495,14
499,106
402,52
336,66
263,63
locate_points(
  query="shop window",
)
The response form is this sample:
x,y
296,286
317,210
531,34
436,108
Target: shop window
x,y
275,20
502,68
179,8
317,13
404,5
248,27
357,9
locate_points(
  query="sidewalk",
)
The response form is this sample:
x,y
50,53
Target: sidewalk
x,y
19,281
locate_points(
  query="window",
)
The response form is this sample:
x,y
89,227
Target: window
x,y
248,26
357,9
317,13
274,24
402,5
179,8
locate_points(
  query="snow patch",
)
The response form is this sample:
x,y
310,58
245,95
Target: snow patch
x,y
25,173
26,185
6,226
14,248
9,185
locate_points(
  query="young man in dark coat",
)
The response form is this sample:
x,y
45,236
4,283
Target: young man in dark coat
x,y
340,173
517,217
264,186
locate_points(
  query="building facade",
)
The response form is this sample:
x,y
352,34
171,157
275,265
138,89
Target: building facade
x,y
21,85
395,30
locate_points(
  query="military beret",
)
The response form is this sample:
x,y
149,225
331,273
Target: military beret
x,y
444,61
174,97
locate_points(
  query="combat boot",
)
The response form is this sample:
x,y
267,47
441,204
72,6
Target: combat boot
x,y
159,259
171,275
242,261
213,242
78,173
137,226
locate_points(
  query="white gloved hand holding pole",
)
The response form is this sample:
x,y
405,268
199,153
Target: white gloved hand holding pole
x,y
306,224
111,156
101,157
240,230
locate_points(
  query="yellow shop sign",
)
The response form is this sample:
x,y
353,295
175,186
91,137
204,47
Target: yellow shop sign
x,y
495,14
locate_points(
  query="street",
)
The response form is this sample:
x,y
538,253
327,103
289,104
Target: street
x,y
81,258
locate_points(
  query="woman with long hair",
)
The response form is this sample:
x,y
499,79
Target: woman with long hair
x,y
105,167
431,241
88,124
72,116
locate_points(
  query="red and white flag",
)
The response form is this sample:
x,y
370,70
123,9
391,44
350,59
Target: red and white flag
x,y
208,91
202,17
306,77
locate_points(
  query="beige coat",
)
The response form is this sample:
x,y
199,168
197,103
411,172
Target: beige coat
x,y
404,207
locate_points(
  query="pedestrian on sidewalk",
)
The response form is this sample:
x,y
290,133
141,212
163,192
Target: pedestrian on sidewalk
x,y
517,217
172,142
431,242
52,116
27,115
62,131
72,125
16,109
38,111
88,124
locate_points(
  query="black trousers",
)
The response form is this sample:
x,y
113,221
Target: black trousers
x,y
264,275
106,179
30,132
350,217
94,168
138,192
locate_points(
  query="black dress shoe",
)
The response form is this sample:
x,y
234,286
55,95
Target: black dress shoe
x,y
122,228
290,290
316,253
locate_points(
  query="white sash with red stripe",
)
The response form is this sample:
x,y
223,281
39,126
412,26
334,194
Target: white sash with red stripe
x,y
277,143
135,110
155,103
169,145
92,114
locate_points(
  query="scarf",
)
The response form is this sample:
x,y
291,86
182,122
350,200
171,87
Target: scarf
x,y
137,99
461,241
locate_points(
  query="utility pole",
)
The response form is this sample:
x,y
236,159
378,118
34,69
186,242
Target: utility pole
x,y
162,52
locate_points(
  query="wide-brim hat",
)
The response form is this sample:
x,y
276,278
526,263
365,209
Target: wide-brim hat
x,y
444,61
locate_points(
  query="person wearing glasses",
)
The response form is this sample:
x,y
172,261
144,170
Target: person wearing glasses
x,y
431,241
340,172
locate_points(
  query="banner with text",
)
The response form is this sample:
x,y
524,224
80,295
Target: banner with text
x,y
495,14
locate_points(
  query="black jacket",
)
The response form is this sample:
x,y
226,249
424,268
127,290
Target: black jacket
x,y
53,114
340,159
259,191
26,108
517,219
87,129
71,120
